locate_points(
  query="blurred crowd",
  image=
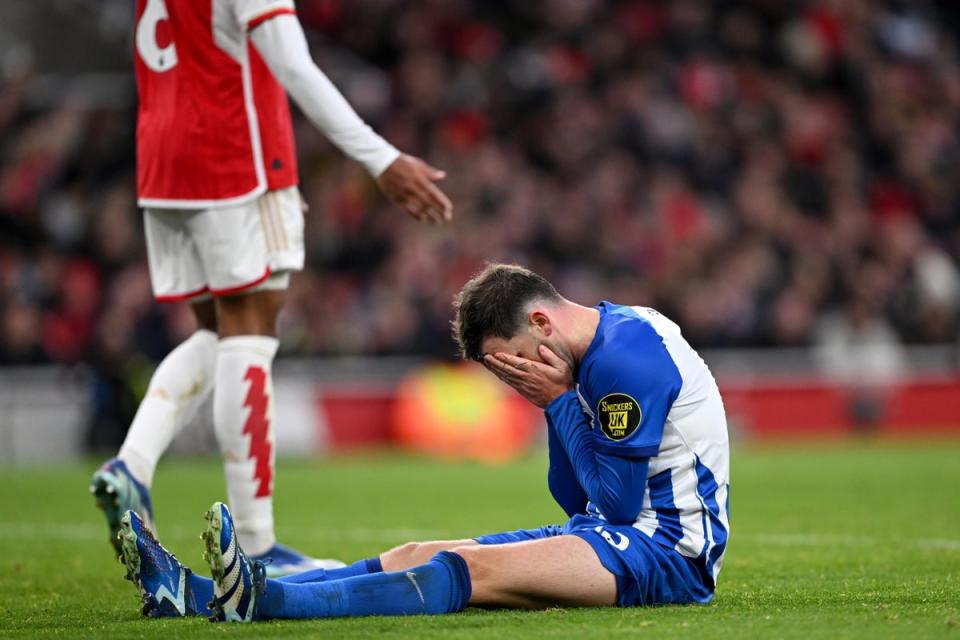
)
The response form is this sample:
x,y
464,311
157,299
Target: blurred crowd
x,y
767,173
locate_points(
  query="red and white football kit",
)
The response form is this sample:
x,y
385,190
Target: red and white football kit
x,y
214,135
217,177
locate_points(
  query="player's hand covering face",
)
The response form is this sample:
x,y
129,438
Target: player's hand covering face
x,y
539,382
409,183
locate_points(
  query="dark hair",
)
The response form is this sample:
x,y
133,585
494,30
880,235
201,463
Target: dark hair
x,y
492,304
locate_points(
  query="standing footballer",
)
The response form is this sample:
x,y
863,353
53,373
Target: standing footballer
x,y
639,461
217,178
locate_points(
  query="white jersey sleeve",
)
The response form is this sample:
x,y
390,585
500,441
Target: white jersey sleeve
x,y
282,44
250,13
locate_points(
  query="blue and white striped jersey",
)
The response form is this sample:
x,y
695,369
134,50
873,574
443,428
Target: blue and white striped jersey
x,y
647,394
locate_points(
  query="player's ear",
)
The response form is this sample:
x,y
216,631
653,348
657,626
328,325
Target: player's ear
x,y
540,323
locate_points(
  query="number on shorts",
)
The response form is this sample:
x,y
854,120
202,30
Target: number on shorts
x,y
619,545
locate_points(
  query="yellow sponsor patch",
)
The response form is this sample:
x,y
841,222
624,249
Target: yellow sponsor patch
x,y
619,415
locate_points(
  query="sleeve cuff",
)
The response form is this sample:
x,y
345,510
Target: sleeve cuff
x,y
382,160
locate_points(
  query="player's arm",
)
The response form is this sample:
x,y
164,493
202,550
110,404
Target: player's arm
x,y
539,385
406,180
562,478
636,390
636,393
614,483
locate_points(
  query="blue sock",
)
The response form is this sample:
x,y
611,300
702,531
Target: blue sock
x,y
201,593
359,568
440,586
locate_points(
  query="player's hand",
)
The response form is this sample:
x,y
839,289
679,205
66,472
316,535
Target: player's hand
x,y
539,382
409,183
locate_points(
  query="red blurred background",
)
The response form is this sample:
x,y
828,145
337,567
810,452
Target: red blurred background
x,y
778,177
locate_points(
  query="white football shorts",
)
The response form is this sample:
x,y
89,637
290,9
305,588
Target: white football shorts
x,y
224,251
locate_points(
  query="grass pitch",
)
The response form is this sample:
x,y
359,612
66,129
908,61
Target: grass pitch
x,y
857,540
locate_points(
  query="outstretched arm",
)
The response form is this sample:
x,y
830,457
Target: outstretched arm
x,y
406,180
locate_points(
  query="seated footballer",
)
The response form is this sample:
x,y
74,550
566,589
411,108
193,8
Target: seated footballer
x,y
639,461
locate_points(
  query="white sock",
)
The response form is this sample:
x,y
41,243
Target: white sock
x,y
243,420
177,389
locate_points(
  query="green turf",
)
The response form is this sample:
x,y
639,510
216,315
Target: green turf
x,y
851,540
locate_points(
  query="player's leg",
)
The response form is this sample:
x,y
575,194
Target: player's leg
x,y
554,570
513,587
249,252
180,384
412,554
249,314
405,556
243,411
240,586
557,570
563,570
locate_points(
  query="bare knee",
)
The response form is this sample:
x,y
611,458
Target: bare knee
x,y
249,314
477,562
205,313
402,557
407,550
413,554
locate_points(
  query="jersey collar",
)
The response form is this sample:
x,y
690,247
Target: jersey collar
x,y
597,337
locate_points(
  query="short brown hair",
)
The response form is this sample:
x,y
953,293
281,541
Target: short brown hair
x,y
492,303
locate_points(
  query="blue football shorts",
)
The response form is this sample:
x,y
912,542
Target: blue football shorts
x,y
647,573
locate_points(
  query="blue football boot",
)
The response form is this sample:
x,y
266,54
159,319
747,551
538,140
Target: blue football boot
x,y
238,581
163,582
282,561
116,491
